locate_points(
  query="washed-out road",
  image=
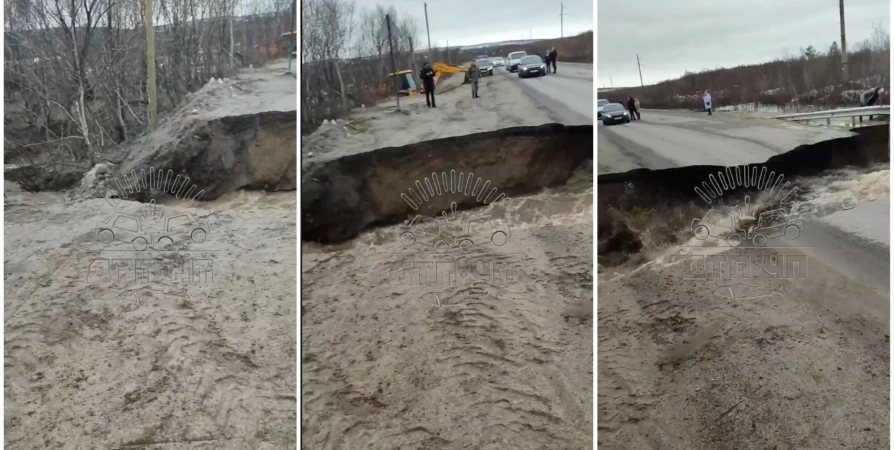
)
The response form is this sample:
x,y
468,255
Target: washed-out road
x,y
796,358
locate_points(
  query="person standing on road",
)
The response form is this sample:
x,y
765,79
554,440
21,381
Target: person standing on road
x,y
869,98
631,108
636,105
428,84
553,55
707,100
546,59
473,79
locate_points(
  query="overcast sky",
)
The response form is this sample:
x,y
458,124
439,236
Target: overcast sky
x,y
674,36
468,22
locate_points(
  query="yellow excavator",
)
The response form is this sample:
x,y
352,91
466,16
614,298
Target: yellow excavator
x,y
407,81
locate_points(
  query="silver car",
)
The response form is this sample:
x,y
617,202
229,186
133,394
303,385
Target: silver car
x,y
513,59
485,67
498,61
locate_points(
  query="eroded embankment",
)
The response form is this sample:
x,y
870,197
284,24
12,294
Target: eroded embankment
x,y
342,197
644,210
251,151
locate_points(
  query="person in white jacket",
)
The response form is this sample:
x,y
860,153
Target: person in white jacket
x,y
636,103
707,99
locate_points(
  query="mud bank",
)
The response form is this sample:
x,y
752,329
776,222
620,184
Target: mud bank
x,y
645,208
342,197
252,151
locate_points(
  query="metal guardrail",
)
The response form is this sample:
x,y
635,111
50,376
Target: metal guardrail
x,y
853,113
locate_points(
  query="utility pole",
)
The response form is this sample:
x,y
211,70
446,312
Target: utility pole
x,y
427,33
393,67
640,76
562,20
530,34
413,62
611,82
843,42
447,49
150,63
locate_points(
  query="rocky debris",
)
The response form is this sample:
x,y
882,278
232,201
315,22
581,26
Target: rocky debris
x,y
43,177
342,197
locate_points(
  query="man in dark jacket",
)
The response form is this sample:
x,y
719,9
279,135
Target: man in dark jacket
x,y
553,55
631,108
547,59
868,98
428,84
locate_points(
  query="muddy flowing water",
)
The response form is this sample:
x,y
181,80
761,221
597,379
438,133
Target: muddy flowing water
x,y
491,348
199,348
642,235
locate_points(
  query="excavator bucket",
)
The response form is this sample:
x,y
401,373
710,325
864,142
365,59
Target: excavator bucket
x,y
442,68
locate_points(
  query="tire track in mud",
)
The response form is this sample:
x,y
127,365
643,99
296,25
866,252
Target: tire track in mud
x,y
88,363
683,368
486,370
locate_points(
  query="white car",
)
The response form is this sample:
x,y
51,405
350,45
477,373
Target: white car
x,y
513,59
498,61
599,104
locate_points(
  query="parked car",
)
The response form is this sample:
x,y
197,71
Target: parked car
x,y
485,67
613,113
599,104
531,66
513,59
498,61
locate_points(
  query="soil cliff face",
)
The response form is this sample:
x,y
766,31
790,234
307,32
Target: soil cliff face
x,y
342,197
252,151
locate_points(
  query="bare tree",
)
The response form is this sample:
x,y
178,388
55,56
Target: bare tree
x,y
78,69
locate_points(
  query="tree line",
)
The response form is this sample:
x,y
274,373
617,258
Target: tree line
x,y
813,78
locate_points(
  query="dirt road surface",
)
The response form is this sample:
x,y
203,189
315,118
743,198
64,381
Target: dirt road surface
x,y
482,361
176,359
501,105
782,347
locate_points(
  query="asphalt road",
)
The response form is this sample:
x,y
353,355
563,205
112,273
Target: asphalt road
x,y
567,95
673,139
